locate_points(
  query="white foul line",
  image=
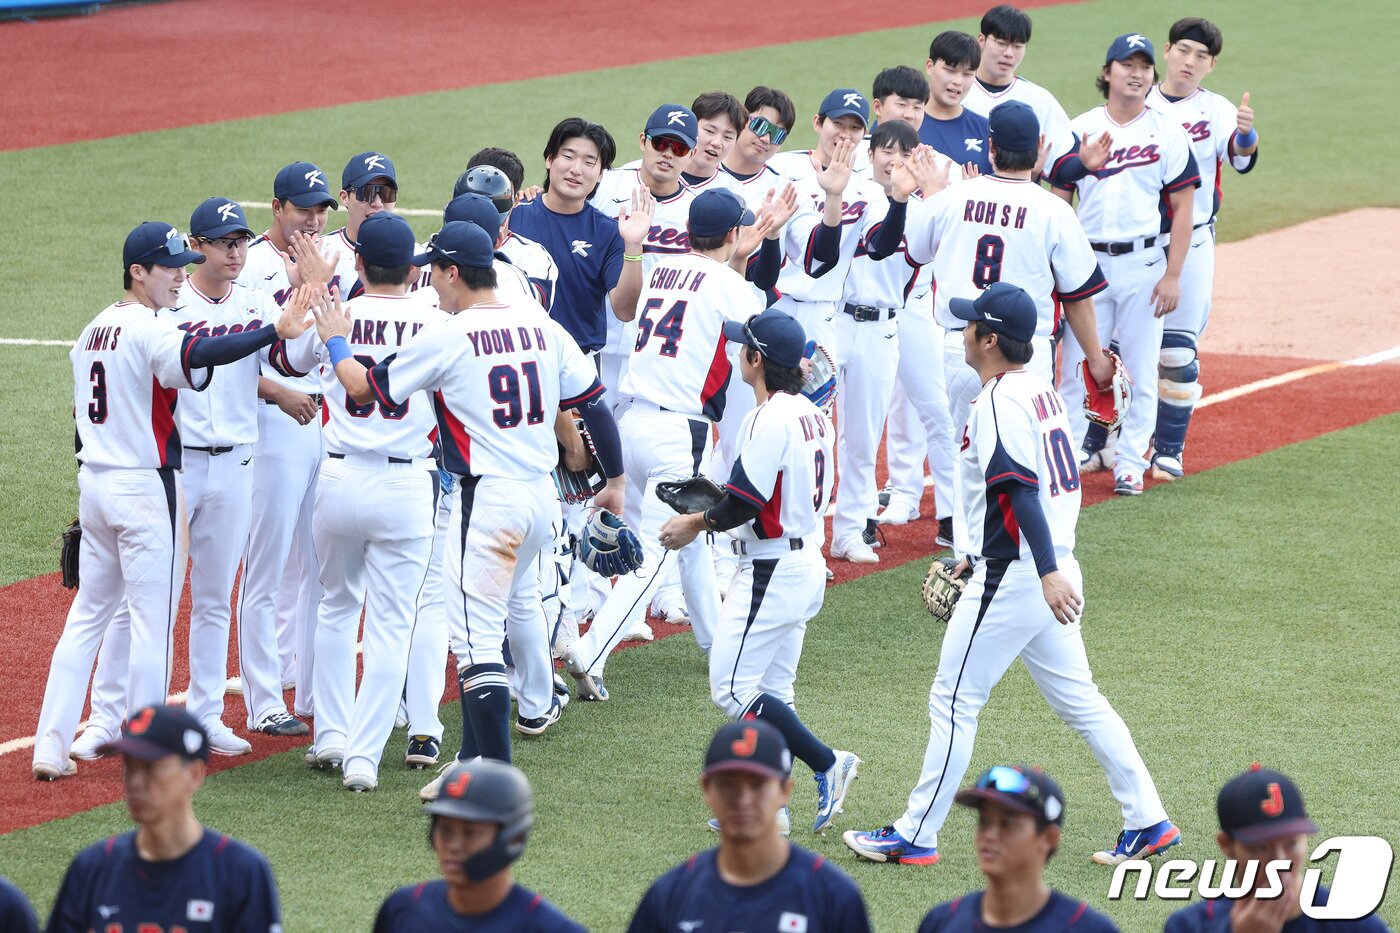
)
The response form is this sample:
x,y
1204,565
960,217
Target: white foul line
x,y
406,211
27,741
20,342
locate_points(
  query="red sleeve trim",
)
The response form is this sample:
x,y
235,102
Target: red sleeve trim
x,y
1193,181
730,487
1012,474
593,392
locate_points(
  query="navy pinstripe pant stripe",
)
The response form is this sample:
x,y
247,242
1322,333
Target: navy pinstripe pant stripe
x,y
467,485
172,505
762,576
996,570
699,434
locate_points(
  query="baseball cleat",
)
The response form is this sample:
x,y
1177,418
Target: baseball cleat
x,y
830,575
856,551
640,632
886,494
899,511
1091,461
887,845
589,687
430,790
1141,843
85,747
561,691
222,741
281,723
831,788
784,822
234,686
326,758
1167,467
44,771
945,532
359,783
1129,484
401,717
537,725
873,535
423,751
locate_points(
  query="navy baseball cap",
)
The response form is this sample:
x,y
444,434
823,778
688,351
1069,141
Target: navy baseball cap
x,y
845,102
716,212
749,745
1017,787
775,334
675,120
1005,308
1262,805
365,168
158,242
155,732
1128,45
385,240
1014,127
460,243
474,209
304,185
218,217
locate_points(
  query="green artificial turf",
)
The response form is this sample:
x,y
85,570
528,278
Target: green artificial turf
x,y
1238,616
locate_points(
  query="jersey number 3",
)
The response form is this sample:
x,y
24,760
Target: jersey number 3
x,y
97,408
668,327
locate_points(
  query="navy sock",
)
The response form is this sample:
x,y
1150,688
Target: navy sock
x,y
485,712
805,746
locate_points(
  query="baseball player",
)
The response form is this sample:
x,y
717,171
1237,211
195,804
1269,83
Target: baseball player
x,y
1219,132
1003,36
948,126
512,283
171,872
774,509
368,185
754,879
1018,503
15,912
525,254
128,365
497,374
675,385
1136,178
280,586
719,117
480,824
1020,811
1263,821
1003,227
373,552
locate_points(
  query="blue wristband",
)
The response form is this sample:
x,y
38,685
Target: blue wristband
x,y
339,350
1246,140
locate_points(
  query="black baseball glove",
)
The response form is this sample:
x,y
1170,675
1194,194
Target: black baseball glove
x,y
68,556
690,496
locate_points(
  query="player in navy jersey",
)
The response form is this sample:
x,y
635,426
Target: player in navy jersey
x,y
16,916
755,879
948,126
1262,819
1020,813
171,872
480,823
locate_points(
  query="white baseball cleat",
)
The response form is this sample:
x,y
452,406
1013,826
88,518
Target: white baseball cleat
x,y
325,758
234,686
856,551
222,741
85,747
1167,468
1093,461
639,632
900,511
45,771
832,786
359,783
587,688
430,790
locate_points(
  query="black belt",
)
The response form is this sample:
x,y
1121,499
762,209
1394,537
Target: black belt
x,y
211,451
336,456
741,548
1122,249
868,313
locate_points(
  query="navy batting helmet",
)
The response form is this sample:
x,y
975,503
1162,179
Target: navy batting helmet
x,y
488,791
490,182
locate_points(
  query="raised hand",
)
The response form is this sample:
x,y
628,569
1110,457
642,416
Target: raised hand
x,y
1244,117
295,318
1094,154
332,317
1042,154
635,223
834,178
781,209
312,266
528,194
929,169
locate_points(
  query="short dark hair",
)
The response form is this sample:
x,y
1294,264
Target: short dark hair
x,y
1015,351
957,49
1014,160
769,97
472,277
1202,31
901,80
778,378
703,244
576,128
713,104
1006,22
126,273
508,162
1101,82
386,275
896,133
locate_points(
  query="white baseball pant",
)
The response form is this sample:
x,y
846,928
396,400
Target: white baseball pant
x,y
864,379
1192,311
919,425
427,650
1002,615
133,551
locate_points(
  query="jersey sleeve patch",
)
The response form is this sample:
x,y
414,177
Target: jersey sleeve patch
x,y
1095,284
592,392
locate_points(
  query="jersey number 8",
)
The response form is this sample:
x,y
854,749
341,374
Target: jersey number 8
x,y
986,267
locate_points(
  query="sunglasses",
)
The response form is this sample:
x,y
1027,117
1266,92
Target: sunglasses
x,y
669,144
762,127
386,193
227,243
174,245
1007,781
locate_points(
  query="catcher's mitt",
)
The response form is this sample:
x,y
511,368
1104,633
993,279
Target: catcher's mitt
x,y
1107,405
819,385
942,587
690,496
68,556
607,546
577,486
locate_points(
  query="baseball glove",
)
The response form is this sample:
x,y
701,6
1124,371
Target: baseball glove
x,y
608,546
577,486
68,556
1106,405
690,496
942,587
819,385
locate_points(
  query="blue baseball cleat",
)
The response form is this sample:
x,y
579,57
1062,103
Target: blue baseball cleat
x,y
1141,843
887,845
831,788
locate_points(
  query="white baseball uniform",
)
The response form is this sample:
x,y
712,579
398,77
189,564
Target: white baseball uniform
x,y
1123,209
127,368
1017,434
1054,122
534,261
676,383
280,586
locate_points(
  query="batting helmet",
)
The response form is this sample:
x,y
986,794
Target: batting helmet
x,y
490,182
488,791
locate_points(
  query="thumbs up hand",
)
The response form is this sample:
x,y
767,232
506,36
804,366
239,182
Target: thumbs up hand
x,y
1244,118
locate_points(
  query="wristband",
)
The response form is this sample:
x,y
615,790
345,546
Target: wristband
x,y
1246,140
339,350
626,258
